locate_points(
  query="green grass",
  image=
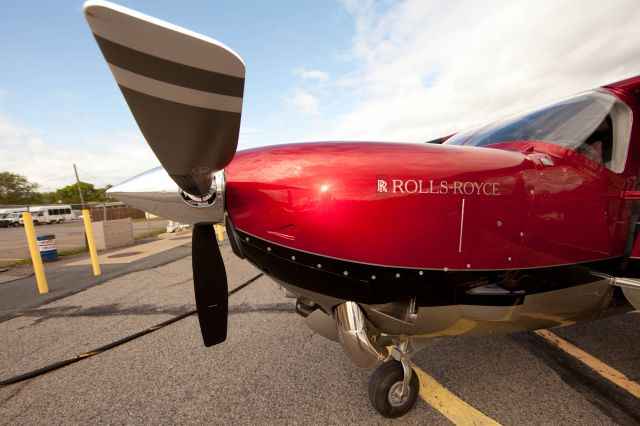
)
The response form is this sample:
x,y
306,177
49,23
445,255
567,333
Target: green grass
x,y
61,253
152,233
69,252
16,263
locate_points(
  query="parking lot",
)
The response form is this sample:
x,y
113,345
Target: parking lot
x,y
69,235
274,370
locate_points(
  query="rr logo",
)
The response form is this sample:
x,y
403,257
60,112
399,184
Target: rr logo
x,y
382,184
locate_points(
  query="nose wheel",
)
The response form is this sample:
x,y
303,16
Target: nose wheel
x,y
394,386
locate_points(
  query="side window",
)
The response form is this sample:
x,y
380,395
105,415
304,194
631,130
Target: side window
x,y
609,142
67,211
621,118
599,145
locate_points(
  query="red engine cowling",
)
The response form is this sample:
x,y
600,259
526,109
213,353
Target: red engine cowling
x,y
425,205
405,205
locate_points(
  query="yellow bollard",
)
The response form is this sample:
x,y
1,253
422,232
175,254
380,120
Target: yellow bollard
x,y
35,253
91,242
219,232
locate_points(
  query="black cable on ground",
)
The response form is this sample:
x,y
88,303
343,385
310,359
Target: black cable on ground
x,y
60,364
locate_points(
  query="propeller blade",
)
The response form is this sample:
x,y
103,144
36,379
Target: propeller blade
x,y
185,90
210,285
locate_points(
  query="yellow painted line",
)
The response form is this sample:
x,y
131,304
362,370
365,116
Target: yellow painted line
x,y
448,404
606,371
11,260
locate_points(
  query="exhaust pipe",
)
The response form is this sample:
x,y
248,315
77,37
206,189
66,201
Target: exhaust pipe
x,y
358,337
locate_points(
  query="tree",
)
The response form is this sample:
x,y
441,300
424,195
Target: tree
x,y
47,198
69,194
16,189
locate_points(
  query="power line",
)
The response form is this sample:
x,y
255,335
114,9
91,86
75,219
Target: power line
x,y
59,173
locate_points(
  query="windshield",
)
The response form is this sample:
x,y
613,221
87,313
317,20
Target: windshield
x,y
595,124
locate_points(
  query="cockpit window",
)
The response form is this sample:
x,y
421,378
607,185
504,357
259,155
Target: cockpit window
x,y
595,124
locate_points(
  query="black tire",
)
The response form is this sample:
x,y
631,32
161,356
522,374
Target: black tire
x,y
389,375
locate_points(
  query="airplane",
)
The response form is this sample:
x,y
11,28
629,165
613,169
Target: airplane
x,y
525,223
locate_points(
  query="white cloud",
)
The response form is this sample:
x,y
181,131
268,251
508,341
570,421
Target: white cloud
x,y
300,96
305,102
310,74
100,160
429,68
10,132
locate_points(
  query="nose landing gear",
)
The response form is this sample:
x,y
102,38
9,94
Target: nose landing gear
x,y
394,386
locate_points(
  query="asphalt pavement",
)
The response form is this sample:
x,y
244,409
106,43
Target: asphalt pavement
x,y
21,294
274,370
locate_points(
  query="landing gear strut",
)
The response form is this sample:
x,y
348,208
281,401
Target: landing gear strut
x,y
394,386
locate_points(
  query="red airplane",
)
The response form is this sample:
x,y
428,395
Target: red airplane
x,y
525,223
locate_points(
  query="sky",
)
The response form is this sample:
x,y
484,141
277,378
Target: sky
x,y
404,71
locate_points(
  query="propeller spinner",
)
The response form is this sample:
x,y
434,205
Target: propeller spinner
x,y
185,92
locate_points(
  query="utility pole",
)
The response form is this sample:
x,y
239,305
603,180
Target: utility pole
x,y
86,240
75,170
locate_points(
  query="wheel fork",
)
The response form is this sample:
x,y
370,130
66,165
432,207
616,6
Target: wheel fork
x,y
403,353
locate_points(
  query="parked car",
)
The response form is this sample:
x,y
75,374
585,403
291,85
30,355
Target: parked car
x,y
10,219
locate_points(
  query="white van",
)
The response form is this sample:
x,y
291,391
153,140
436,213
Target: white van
x,y
51,214
11,216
